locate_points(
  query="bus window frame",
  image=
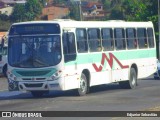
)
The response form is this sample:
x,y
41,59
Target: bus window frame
x,y
106,40
134,38
123,39
84,40
145,45
69,56
98,40
149,43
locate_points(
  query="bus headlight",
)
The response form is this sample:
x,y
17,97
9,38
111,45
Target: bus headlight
x,y
56,75
11,76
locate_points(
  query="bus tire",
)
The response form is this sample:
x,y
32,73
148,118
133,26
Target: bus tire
x,y
132,82
37,93
83,88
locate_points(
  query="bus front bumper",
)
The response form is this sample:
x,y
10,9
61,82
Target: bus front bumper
x,y
33,85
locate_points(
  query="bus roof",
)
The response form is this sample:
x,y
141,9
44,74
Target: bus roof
x,y
82,24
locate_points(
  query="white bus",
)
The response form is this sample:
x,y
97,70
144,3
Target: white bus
x,y
64,55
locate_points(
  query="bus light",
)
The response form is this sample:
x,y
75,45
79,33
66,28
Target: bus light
x,y
53,78
56,75
9,74
12,76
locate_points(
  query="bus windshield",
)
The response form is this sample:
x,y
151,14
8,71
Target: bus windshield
x,y
34,51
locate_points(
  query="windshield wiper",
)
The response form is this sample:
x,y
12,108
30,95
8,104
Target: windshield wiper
x,y
30,61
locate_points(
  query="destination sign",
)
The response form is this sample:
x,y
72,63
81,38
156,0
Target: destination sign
x,y
26,29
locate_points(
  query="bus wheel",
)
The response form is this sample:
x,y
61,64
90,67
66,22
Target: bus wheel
x,y
38,93
132,82
83,89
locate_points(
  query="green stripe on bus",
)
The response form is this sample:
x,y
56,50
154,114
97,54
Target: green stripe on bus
x,y
120,55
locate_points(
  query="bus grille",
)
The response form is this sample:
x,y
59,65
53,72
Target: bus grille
x,y
33,85
34,78
33,73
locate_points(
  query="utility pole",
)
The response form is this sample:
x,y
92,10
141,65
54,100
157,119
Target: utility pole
x,y
80,8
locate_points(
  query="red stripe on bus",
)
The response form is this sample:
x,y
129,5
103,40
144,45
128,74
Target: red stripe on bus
x,y
110,62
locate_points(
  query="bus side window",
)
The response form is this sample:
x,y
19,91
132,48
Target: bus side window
x,y
94,40
81,37
131,38
142,39
69,48
119,39
107,39
150,37
65,46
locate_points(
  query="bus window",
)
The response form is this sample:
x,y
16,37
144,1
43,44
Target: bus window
x,y
119,39
94,39
142,39
131,38
81,37
69,48
150,37
107,39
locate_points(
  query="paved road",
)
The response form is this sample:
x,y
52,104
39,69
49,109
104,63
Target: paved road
x,y
102,98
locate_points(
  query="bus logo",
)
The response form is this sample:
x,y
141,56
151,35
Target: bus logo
x,y
6,114
110,62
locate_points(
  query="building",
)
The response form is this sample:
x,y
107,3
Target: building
x,y
54,12
3,35
6,10
92,10
6,6
12,2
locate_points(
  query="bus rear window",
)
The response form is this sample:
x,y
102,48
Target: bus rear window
x,y
42,28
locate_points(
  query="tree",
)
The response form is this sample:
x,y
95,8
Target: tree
x,y
4,17
18,13
43,2
142,10
106,5
4,25
34,9
117,10
116,14
136,10
60,1
74,11
115,3
27,12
